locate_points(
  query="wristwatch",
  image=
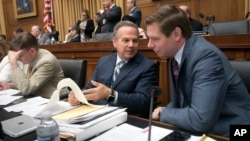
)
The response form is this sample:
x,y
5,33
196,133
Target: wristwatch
x,y
111,97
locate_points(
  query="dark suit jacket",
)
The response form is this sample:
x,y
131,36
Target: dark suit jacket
x,y
196,25
111,18
136,13
133,83
213,95
90,27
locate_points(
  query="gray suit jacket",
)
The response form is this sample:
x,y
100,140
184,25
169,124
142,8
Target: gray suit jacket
x,y
45,75
133,83
213,95
44,39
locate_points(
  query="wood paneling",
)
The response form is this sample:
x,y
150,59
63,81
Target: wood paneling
x,y
234,47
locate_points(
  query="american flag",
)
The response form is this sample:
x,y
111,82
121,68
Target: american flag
x,y
48,16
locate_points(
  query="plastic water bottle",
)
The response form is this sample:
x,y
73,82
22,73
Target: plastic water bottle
x,y
53,40
48,129
83,37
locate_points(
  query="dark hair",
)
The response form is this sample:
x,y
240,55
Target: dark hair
x,y
86,12
3,36
76,28
128,18
169,17
124,24
247,14
18,30
24,40
4,49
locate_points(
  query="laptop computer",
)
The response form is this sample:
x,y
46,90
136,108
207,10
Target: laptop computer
x,y
20,125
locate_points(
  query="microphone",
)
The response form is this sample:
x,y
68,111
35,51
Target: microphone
x,y
154,92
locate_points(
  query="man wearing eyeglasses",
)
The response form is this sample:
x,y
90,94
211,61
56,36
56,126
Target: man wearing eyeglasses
x,y
41,72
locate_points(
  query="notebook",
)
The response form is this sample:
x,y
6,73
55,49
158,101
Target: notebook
x,y
20,125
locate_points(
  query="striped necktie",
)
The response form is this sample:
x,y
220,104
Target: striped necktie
x,y
117,69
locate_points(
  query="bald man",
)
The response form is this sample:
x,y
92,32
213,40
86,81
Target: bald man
x,y
195,24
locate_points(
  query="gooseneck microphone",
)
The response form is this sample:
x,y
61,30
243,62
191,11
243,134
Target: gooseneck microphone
x,y
154,92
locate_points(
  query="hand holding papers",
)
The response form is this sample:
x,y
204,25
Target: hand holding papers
x,y
64,108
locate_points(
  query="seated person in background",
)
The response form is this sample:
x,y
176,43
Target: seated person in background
x,y
3,37
43,38
130,87
248,17
43,70
207,95
5,68
196,25
17,30
3,49
73,35
86,25
132,19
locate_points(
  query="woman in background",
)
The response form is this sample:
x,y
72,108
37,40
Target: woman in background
x,y
86,25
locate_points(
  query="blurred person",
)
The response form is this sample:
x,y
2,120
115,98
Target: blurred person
x,y
86,24
42,38
73,35
42,70
5,68
110,16
134,11
98,23
196,25
17,30
3,37
137,74
132,19
207,95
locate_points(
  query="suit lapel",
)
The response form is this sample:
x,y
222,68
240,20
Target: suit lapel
x,y
126,69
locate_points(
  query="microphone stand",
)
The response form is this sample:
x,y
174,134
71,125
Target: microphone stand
x,y
150,117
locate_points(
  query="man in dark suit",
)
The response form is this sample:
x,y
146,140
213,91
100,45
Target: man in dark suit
x,y
134,11
131,87
110,16
207,95
196,25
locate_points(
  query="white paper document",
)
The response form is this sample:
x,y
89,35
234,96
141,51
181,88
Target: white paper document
x,y
6,99
9,92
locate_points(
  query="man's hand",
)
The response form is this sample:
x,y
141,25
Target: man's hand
x,y
4,85
99,92
72,99
155,114
14,56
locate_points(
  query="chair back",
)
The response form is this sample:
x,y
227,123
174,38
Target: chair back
x,y
232,27
242,67
104,36
74,69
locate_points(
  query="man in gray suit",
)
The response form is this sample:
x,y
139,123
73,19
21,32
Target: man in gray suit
x,y
42,38
131,87
207,96
41,73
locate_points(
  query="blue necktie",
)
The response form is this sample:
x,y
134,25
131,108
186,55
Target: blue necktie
x,y
117,69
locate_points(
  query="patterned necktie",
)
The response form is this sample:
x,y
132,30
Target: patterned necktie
x,y
175,71
117,69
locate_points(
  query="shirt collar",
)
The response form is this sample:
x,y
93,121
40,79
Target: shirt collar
x,y
119,59
178,55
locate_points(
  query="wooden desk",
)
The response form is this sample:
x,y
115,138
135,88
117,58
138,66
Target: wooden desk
x,y
235,47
